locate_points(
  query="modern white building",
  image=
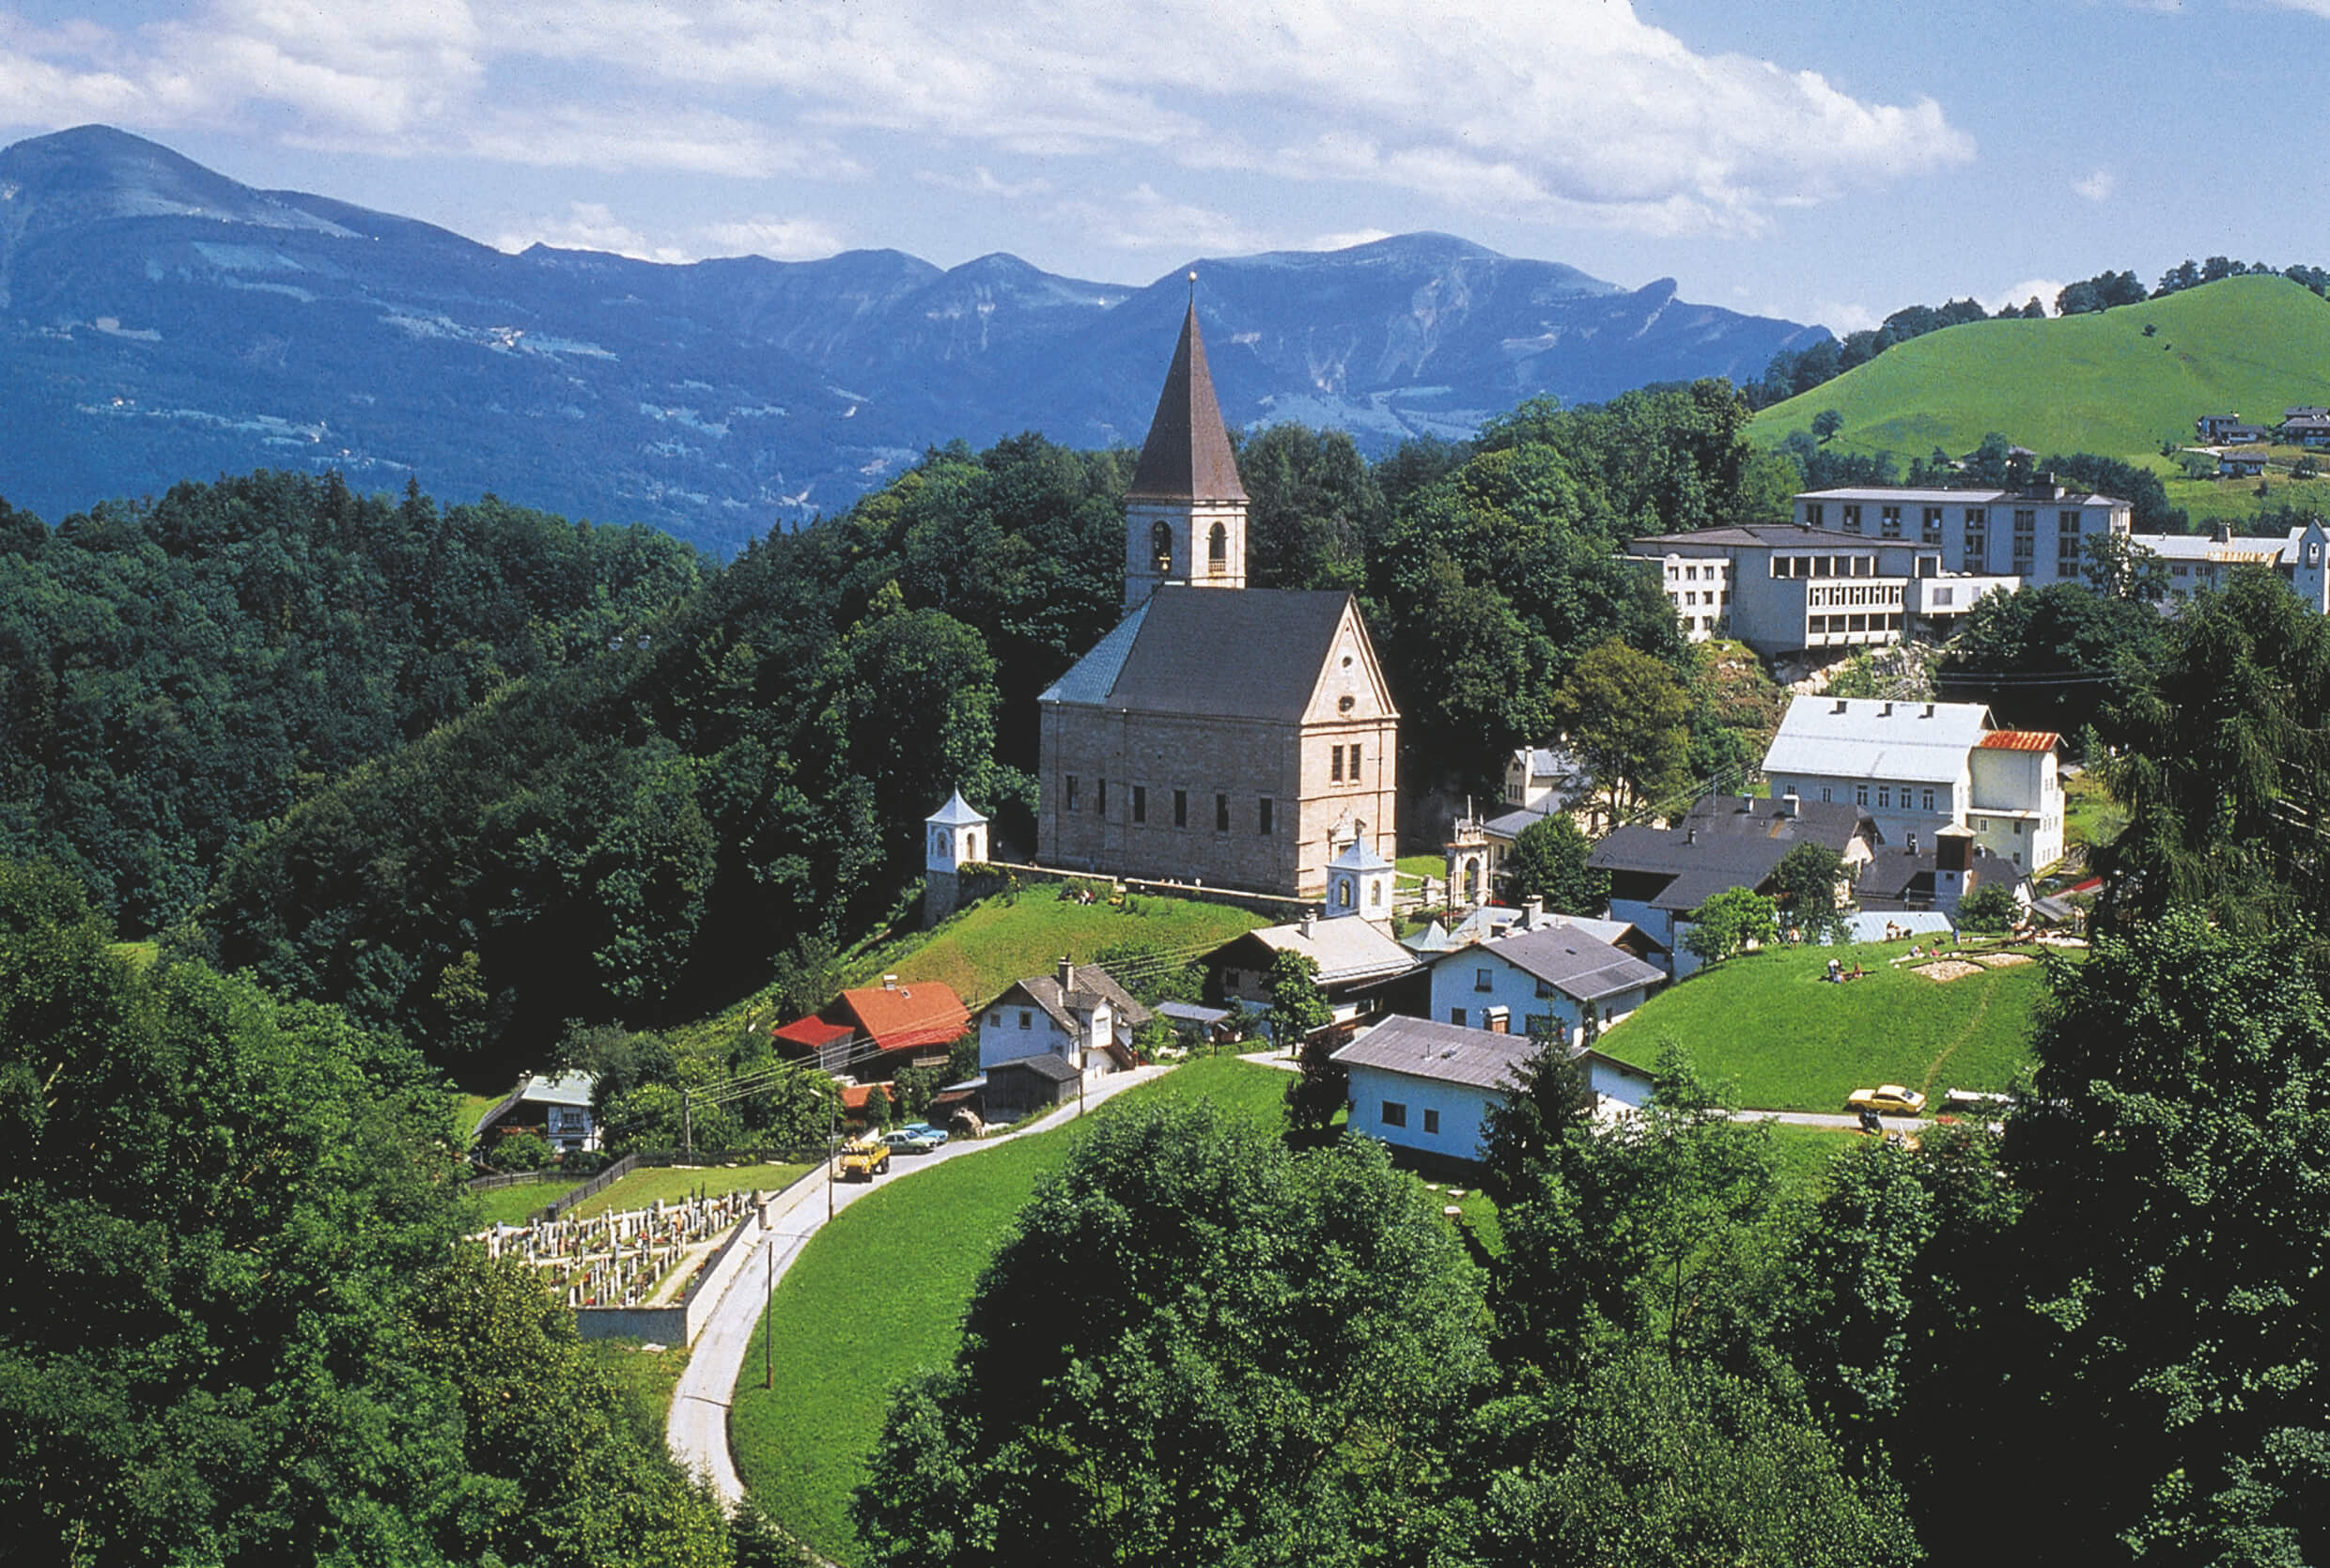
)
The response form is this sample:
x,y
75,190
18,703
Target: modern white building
x,y
1541,981
1699,588
1794,588
1078,1013
2037,536
1916,768
1428,1087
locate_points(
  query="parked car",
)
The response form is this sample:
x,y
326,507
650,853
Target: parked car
x,y
863,1160
1887,1099
908,1141
937,1135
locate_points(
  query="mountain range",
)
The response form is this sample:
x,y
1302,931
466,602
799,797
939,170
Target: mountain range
x,y
161,321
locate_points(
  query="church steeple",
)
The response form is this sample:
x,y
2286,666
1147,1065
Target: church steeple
x,y
1185,513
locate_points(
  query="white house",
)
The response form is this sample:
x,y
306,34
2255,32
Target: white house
x,y
2196,563
1428,1087
1361,966
1916,768
1078,1013
1542,981
559,1108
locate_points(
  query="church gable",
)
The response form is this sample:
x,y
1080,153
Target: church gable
x,y
1350,683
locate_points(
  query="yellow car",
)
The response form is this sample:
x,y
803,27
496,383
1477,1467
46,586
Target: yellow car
x,y
863,1160
1887,1099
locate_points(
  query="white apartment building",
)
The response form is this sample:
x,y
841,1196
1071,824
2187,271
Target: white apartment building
x,y
2036,536
1918,767
1699,588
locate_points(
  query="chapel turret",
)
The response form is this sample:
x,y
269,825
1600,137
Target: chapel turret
x,y
1185,513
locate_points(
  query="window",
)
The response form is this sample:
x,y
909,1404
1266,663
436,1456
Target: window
x,y
1070,791
1181,808
1354,762
1457,1017
1026,1018
1100,795
1889,522
1221,813
1432,1121
2025,537
1334,766
1480,980
1140,803
1930,525
1394,1114
1538,1026
1217,550
1161,548
1264,822
1851,520
1690,574
996,1019
1823,792
1928,801
1812,513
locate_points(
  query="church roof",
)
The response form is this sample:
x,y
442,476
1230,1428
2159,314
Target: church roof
x,y
1357,856
1253,653
1188,455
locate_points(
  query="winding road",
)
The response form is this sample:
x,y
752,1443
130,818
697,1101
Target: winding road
x,y
697,1426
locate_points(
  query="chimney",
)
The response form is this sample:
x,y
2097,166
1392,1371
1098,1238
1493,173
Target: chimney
x,y
1308,923
1067,976
1840,708
1886,712
1913,841
890,981
1929,710
1789,802
1532,913
1690,835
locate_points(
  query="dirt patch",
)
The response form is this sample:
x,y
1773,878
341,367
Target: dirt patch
x,y
1948,970
2002,960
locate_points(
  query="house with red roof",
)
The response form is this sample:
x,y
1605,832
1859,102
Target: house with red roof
x,y
871,1031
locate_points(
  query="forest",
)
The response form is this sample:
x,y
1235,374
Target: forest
x,y
477,774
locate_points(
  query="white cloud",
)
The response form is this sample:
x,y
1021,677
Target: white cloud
x,y
1142,220
591,226
778,238
982,182
2018,295
2311,7
1343,241
2096,187
1568,111
1841,317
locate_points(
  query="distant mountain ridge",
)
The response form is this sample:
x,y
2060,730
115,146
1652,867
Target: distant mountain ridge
x,y
162,321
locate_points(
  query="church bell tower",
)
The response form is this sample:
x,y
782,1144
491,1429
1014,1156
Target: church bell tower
x,y
1185,513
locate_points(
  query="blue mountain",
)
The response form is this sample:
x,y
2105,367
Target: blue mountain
x,y
160,321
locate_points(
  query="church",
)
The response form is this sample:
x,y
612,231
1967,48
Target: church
x,y
1242,737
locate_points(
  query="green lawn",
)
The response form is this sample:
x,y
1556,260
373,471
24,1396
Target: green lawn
x,y
1790,1041
879,1294
514,1205
2088,383
2089,809
1435,866
469,1110
672,1182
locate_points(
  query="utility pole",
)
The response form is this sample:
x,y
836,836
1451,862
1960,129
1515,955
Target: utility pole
x,y
768,1378
686,1125
831,1109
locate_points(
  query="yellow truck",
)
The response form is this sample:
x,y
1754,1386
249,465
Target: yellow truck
x,y
863,1158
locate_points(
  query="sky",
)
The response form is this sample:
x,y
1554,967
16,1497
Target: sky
x,y
1826,161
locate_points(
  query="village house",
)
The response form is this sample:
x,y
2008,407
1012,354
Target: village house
x,y
1233,737
1427,1087
1659,876
2201,562
1361,970
1916,767
871,1031
557,1109
1545,978
1077,1013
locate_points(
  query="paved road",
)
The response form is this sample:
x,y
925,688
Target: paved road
x,y
697,1428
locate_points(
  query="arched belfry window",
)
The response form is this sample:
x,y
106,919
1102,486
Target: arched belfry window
x,y
1161,547
1217,548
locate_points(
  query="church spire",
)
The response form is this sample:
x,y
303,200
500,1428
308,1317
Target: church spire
x,y
1188,455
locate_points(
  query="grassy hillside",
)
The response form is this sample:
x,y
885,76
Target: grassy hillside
x,y
984,948
2083,383
1790,1041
